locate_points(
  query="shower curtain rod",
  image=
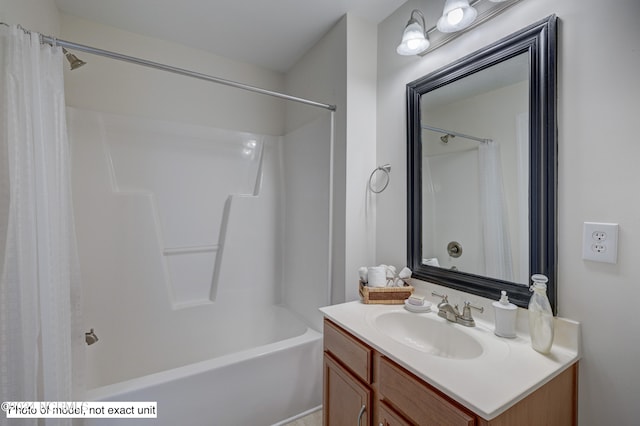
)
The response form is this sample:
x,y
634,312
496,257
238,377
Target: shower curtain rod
x,y
95,51
451,132
113,55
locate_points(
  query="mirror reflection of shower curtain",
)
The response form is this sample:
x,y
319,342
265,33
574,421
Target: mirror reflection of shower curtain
x,y
522,153
493,212
429,212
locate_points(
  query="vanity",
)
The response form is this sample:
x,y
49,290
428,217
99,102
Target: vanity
x,y
386,366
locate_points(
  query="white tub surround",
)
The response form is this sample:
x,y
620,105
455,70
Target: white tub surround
x,y
183,243
506,372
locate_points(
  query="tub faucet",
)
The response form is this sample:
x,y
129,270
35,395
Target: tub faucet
x,y
90,337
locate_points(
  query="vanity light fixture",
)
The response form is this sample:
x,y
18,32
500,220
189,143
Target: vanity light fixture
x,y
457,15
414,37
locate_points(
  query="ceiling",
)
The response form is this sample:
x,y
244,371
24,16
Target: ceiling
x,y
270,33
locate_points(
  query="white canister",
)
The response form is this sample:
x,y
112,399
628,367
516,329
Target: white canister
x,y
377,276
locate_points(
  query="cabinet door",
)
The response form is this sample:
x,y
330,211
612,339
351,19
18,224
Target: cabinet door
x,y
347,401
386,417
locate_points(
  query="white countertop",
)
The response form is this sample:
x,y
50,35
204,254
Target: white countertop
x,y
506,372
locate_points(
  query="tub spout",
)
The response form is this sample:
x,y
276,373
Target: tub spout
x,y
90,337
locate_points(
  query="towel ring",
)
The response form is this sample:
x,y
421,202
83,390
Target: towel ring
x,y
386,169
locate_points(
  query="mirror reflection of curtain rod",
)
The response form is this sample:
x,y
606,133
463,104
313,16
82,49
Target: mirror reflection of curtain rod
x,y
452,133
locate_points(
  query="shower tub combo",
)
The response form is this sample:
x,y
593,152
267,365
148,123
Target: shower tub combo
x,y
192,278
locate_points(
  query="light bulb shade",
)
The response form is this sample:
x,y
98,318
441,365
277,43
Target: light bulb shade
x,y
414,40
456,15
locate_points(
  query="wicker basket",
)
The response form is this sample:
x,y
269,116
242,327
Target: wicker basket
x,y
385,295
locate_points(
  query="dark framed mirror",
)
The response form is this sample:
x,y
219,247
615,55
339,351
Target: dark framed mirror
x,y
482,168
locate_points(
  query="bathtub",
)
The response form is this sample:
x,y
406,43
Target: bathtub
x,y
264,385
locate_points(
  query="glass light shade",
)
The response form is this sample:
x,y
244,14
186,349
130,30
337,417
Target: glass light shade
x,y
413,40
456,15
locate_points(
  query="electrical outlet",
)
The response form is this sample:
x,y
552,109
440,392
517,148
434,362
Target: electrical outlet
x,y
600,242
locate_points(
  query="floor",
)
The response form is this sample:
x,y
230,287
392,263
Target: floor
x,y
313,419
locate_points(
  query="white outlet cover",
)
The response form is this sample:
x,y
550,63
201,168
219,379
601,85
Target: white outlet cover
x,y
600,242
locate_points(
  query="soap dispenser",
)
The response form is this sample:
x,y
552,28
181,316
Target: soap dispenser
x,y
540,315
505,317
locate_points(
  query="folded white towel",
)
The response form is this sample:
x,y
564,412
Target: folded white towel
x,y
362,272
431,262
405,273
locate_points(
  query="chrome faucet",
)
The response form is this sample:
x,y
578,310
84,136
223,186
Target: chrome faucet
x,y
445,310
451,313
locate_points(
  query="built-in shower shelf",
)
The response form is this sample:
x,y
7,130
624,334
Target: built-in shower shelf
x,y
173,251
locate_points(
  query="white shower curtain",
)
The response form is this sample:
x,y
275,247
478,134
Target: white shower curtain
x,y
495,223
41,342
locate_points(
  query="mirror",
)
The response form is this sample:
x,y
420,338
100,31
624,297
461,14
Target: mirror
x,y
481,165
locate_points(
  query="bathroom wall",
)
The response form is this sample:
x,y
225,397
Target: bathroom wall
x,y
306,252
320,75
122,88
360,153
37,15
340,69
598,105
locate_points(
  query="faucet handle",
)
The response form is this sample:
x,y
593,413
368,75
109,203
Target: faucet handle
x,y
442,296
468,305
466,318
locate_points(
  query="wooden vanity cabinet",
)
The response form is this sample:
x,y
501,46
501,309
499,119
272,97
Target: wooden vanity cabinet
x,y
360,383
347,394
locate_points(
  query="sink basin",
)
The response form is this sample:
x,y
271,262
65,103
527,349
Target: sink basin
x,y
428,335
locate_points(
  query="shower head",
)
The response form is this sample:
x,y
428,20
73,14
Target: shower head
x,y
445,138
74,61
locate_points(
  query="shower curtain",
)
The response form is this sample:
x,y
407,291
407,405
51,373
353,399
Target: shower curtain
x,y
41,341
493,211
